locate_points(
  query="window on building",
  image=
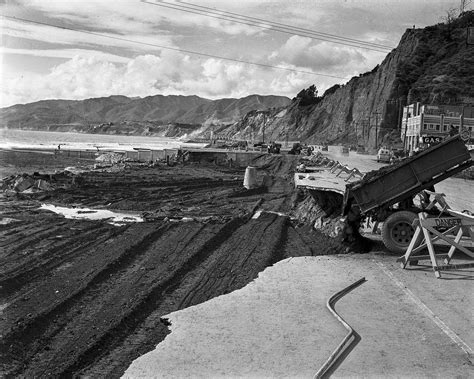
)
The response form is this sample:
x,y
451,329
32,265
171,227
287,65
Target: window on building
x,y
425,126
430,126
437,127
445,128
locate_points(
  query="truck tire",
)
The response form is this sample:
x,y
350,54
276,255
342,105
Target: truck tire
x,y
397,231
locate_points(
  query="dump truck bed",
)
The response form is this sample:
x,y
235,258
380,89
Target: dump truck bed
x,y
398,182
321,180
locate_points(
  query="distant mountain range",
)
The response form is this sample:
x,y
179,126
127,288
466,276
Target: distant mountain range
x,y
152,115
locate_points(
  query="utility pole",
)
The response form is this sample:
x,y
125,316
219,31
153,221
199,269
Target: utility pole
x,y
405,135
376,128
368,133
364,127
357,138
399,115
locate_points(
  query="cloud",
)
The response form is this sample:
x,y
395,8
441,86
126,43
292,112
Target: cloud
x,y
57,36
324,57
85,76
101,66
128,16
65,53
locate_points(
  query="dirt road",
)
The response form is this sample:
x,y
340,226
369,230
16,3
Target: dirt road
x,y
86,297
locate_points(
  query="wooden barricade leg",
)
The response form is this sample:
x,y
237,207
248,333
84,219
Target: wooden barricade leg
x,y
452,249
431,251
406,257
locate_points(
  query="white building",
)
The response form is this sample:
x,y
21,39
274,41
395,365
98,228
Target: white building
x,y
423,125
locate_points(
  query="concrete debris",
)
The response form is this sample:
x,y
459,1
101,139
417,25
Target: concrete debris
x,y
26,183
301,168
75,170
23,183
112,158
43,185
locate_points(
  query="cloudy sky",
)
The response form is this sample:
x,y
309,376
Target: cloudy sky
x,y
76,49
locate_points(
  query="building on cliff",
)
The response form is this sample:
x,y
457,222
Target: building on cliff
x,y
424,125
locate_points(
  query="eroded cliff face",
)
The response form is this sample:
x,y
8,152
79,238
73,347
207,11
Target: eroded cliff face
x,y
348,114
429,65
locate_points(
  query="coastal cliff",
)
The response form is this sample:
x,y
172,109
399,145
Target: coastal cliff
x,y
433,65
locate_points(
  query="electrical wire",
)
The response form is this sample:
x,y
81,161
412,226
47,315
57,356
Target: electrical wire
x,y
172,48
295,28
269,25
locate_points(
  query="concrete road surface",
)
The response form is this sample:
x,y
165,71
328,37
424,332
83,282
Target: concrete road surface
x,y
411,324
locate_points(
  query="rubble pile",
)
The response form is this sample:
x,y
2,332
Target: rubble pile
x,y
26,183
112,158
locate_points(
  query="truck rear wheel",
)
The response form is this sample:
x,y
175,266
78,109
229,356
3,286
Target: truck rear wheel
x,y
397,231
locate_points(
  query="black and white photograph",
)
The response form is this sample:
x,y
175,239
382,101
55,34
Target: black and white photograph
x,y
237,189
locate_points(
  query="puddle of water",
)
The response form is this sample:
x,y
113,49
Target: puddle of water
x,y
115,218
3,307
8,220
258,213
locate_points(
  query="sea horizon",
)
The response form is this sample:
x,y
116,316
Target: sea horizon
x,y
47,140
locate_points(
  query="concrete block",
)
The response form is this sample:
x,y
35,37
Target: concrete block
x,y
23,183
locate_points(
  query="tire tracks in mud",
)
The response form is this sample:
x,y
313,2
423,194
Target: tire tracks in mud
x,y
185,264
242,253
235,262
33,311
125,295
49,254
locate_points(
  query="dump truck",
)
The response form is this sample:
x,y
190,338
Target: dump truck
x,y
387,195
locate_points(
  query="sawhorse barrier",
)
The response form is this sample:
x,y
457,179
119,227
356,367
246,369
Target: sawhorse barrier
x,y
433,229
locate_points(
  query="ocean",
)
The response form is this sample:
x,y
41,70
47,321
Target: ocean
x,y
39,140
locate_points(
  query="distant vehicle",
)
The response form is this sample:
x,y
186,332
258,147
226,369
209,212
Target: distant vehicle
x,y
345,150
296,149
263,145
274,148
384,155
398,153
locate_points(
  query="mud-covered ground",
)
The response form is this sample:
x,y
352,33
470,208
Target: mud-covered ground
x,y
83,297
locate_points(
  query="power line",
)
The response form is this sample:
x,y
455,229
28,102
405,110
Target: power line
x,y
275,27
292,27
172,48
269,25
